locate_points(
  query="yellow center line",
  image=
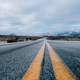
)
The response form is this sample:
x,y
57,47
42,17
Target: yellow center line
x,y
33,72
61,71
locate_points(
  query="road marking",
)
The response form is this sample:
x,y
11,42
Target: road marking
x,y
33,72
61,71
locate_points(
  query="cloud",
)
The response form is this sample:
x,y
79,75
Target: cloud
x,y
39,16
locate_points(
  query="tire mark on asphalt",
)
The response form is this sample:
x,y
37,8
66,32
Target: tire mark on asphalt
x,y
16,48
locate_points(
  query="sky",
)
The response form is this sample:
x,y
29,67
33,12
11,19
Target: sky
x,y
24,17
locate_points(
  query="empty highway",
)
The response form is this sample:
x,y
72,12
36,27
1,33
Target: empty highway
x,y
40,60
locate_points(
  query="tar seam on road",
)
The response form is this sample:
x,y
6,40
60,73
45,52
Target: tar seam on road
x,y
61,71
33,73
47,69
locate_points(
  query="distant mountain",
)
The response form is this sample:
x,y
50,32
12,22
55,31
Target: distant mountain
x,y
71,33
67,33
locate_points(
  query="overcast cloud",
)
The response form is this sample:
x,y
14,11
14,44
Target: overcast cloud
x,y
39,16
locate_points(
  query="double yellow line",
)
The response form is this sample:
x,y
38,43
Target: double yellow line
x,y
61,71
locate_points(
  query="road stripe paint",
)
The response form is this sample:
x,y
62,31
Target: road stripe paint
x,y
33,72
61,71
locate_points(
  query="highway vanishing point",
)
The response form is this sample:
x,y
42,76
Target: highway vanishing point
x,y
40,60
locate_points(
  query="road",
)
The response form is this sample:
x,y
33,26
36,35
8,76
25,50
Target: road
x,y
40,60
69,51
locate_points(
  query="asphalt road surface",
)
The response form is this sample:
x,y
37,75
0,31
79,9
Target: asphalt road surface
x,y
40,60
69,51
